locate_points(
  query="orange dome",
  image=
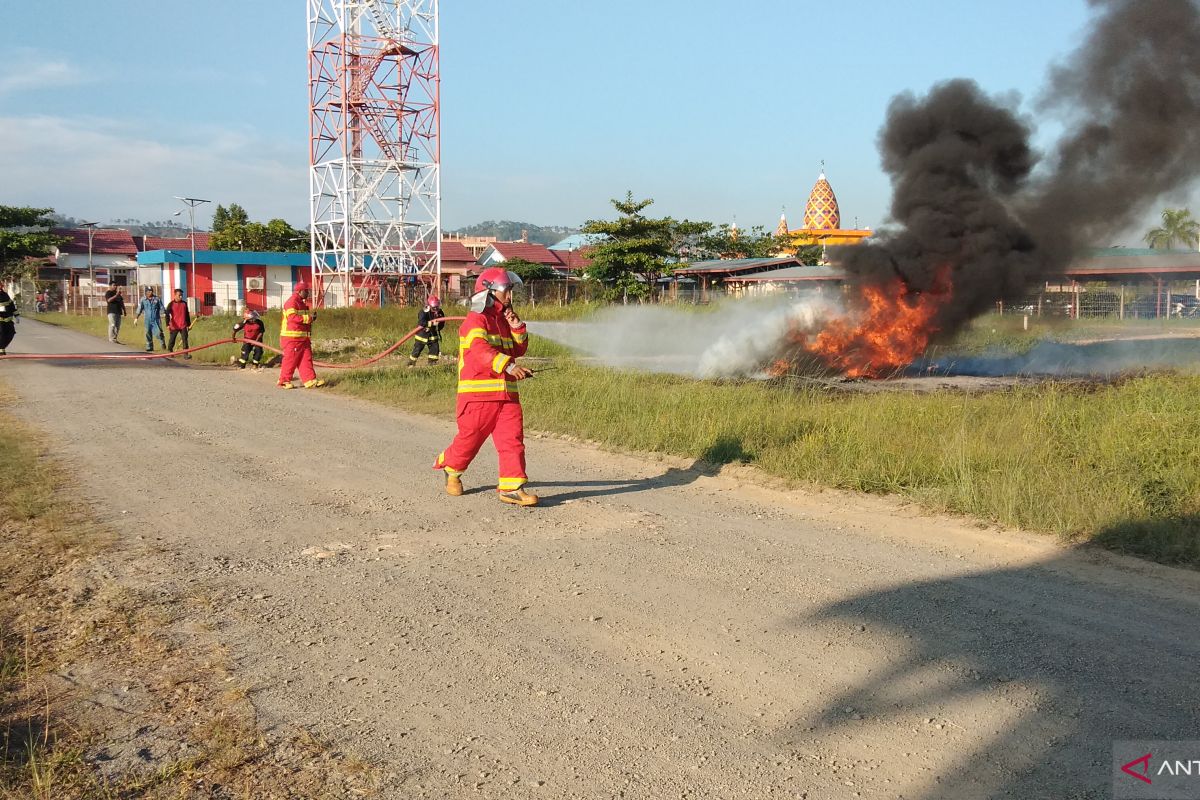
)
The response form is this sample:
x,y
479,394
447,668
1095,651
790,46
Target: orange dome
x,y
822,212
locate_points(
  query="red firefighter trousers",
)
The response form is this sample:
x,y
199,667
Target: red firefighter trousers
x,y
297,353
503,421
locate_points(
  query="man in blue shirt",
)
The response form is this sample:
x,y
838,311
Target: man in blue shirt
x,y
152,307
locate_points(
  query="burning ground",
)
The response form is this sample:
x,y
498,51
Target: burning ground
x,y
976,215
775,337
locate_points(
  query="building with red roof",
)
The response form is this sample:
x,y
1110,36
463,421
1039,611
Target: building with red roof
x,y
573,262
85,268
499,252
174,243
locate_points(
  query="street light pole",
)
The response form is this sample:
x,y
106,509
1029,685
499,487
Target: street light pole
x,y
192,202
91,229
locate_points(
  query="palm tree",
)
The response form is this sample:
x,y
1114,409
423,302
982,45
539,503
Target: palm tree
x,y
1178,226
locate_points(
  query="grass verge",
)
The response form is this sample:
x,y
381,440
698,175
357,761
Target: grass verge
x,y
93,677
1116,463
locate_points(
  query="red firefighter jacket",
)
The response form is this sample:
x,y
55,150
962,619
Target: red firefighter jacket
x,y
252,329
486,346
297,319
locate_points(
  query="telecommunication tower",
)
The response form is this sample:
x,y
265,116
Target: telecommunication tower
x,y
375,152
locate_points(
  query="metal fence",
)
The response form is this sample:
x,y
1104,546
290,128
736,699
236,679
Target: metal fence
x,y
1134,300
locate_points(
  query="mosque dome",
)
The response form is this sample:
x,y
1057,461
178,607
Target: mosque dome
x,y
822,212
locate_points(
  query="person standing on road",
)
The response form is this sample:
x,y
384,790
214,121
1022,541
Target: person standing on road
x,y
252,329
152,307
431,332
8,321
179,321
491,338
295,339
116,310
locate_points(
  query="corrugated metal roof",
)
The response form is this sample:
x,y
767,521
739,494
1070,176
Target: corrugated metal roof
x,y
527,251
106,241
456,251
174,243
814,273
732,265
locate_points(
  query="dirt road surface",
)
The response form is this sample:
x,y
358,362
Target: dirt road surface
x,y
650,632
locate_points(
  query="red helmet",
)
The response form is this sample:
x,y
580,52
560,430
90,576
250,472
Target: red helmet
x,y
497,280
433,301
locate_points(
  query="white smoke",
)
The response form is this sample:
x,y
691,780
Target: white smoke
x,y
732,339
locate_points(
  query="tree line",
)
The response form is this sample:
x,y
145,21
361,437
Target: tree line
x,y
632,252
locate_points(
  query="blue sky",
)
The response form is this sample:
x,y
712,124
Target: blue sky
x,y
549,108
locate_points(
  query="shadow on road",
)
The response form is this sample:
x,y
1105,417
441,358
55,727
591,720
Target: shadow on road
x,y
1082,655
583,489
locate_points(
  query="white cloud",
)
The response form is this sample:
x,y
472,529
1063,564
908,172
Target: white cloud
x,y
110,169
31,70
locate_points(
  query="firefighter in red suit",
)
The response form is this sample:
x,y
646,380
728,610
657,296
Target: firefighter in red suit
x,y
490,340
296,342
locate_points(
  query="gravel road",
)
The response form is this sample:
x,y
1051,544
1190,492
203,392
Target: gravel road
x,y
652,631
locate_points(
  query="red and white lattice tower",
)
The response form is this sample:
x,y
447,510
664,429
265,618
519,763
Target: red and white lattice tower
x,y
374,131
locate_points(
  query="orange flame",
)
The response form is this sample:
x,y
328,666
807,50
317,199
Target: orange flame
x,y
892,329
779,368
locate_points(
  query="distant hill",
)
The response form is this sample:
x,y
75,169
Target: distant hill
x,y
136,227
509,231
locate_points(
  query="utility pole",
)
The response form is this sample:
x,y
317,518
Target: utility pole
x,y
192,202
91,229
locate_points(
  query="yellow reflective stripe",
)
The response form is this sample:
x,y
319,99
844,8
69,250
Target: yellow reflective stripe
x,y
289,312
475,333
488,385
295,334
479,333
500,362
511,484
520,337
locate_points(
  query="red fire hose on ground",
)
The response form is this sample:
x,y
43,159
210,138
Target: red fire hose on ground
x,y
231,340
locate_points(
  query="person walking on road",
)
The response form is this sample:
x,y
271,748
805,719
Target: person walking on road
x,y
179,321
116,310
295,339
8,321
491,338
431,332
152,307
252,329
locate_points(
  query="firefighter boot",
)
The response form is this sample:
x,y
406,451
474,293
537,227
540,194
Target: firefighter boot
x,y
316,383
454,486
287,385
518,497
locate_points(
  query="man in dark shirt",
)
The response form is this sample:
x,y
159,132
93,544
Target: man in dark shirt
x,y
179,321
116,310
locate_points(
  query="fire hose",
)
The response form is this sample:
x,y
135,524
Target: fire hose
x,y
230,340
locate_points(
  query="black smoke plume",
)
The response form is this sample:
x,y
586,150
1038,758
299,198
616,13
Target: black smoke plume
x,y
972,198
